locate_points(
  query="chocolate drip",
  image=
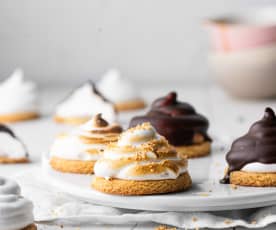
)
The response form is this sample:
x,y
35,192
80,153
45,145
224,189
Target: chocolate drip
x,y
6,129
258,145
177,121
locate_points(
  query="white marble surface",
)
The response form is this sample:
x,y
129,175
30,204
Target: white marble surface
x,y
228,117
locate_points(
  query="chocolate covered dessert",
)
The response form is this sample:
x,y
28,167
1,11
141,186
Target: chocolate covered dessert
x,y
252,157
179,122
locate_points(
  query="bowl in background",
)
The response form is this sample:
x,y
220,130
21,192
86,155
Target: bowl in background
x,y
248,73
241,31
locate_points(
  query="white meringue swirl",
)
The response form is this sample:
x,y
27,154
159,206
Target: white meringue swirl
x,y
16,212
17,95
85,102
116,88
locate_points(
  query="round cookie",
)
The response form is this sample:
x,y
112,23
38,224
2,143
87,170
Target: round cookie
x,y
129,105
6,160
196,150
72,166
131,187
71,120
253,179
16,117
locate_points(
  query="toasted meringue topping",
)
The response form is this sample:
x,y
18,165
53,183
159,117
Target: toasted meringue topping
x,y
140,154
87,141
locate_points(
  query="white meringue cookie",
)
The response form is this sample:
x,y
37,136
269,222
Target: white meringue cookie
x,y
85,101
116,88
10,146
16,212
17,95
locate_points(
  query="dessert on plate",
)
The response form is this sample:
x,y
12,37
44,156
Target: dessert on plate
x,y
82,104
77,152
179,122
16,211
252,157
12,149
141,162
18,99
120,91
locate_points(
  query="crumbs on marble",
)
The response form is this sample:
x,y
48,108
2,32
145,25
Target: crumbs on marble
x,y
227,221
162,227
233,186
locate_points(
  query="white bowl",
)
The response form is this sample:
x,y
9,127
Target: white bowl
x,y
249,74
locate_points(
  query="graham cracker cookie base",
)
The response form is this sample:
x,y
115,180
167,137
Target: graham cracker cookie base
x,y
30,227
71,120
6,160
130,105
253,179
132,187
72,166
196,150
18,117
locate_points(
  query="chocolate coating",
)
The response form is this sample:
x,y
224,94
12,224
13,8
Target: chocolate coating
x,y
177,121
258,145
6,129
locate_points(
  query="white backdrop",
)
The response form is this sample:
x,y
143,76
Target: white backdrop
x,y
71,40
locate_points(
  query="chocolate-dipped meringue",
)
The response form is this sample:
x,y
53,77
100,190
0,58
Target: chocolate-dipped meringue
x,y
255,152
179,123
77,151
83,103
12,149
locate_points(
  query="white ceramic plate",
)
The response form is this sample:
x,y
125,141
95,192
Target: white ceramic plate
x,y
207,194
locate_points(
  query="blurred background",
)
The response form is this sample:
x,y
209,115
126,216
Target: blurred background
x,y
68,41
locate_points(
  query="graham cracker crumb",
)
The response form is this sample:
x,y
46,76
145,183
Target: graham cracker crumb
x,y
233,186
254,222
227,221
162,227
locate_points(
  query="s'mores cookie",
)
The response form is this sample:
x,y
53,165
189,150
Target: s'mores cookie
x,y
141,162
77,151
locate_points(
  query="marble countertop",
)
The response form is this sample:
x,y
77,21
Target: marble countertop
x,y
229,118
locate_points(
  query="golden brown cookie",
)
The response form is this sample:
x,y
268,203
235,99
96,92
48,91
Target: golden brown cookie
x,y
131,187
72,166
18,117
195,150
130,105
6,160
30,227
71,120
253,179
